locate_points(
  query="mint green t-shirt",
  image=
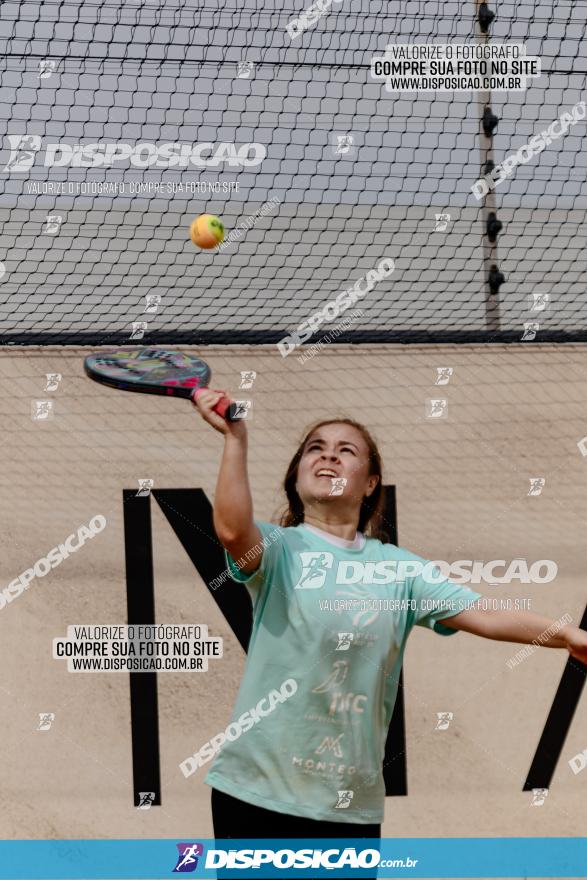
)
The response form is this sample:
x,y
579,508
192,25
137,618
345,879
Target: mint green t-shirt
x,y
330,624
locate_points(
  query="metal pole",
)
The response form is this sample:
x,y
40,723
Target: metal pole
x,y
492,310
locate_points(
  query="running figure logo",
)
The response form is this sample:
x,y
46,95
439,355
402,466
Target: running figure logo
x,y
242,408
442,221
146,800
188,857
52,224
344,145
41,409
46,719
338,484
152,302
437,408
138,329
46,68
444,375
314,567
247,378
444,719
531,328
23,149
344,641
537,484
244,69
53,380
539,301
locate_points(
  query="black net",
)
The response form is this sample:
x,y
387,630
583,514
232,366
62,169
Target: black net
x,y
344,174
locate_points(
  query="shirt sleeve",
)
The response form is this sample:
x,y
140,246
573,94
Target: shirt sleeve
x,y
437,598
259,580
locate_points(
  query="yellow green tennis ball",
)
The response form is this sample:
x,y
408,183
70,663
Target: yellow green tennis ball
x,y
207,231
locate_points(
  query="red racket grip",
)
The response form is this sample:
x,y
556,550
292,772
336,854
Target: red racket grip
x,y
224,407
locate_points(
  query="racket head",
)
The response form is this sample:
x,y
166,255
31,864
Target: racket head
x,y
149,370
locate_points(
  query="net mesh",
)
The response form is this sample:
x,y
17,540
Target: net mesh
x,y
464,491
317,213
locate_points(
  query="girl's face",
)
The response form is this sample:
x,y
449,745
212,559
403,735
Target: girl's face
x,y
334,467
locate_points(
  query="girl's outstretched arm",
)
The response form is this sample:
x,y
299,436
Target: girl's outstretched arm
x,y
522,626
233,504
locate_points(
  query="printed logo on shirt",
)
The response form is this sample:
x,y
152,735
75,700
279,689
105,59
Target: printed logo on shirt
x,y
337,676
329,746
360,638
348,702
341,701
323,768
361,601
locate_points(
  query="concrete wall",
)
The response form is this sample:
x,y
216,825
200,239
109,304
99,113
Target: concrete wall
x,y
514,413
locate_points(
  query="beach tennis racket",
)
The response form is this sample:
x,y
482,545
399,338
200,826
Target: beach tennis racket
x,y
155,371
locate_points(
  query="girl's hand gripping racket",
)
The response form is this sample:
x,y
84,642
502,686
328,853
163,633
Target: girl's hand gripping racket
x,y
155,371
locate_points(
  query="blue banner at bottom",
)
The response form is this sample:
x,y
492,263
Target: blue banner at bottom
x,y
484,857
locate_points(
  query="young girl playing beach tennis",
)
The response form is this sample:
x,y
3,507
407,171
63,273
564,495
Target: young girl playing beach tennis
x,y
333,605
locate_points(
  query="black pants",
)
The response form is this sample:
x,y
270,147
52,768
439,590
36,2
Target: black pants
x,y
234,818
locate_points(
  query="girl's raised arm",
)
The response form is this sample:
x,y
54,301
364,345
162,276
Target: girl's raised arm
x,y
233,504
